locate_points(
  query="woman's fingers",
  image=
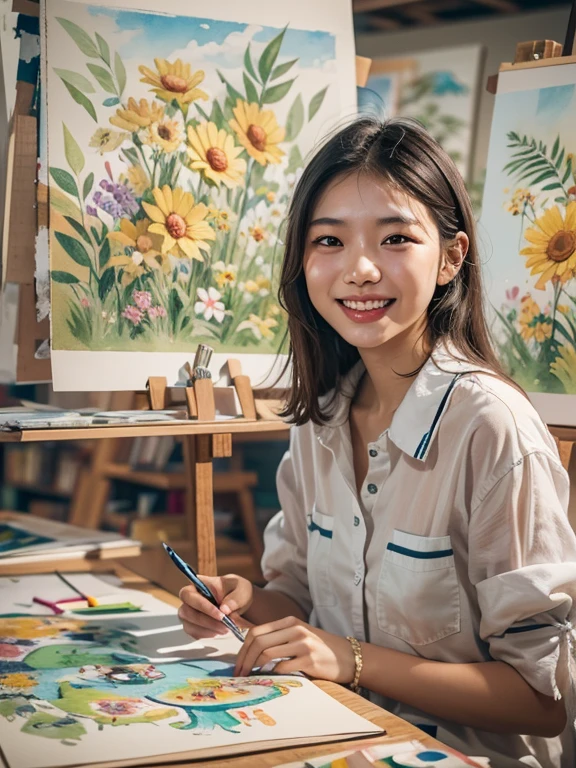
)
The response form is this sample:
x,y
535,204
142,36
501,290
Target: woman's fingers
x,y
265,643
200,619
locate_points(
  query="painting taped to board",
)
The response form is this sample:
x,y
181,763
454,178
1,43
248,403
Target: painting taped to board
x,y
174,145
528,230
72,689
439,88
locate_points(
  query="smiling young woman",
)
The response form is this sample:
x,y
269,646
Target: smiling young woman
x,y
423,549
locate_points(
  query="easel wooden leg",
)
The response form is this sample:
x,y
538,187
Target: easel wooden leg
x,y
199,450
94,487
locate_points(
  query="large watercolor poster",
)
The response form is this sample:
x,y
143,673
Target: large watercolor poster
x,y
174,145
134,687
528,230
440,89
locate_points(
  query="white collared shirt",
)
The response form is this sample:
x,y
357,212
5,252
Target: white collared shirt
x,y
458,549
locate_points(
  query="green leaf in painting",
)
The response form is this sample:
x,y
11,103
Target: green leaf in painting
x,y
294,159
555,147
277,92
103,77
78,81
104,255
77,227
233,94
63,277
81,38
560,159
74,249
174,307
61,203
120,71
554,185
568,171
64,180
248,63
316,103
84,101
201,111
87,186
103,48
106,283
295,119
111,102
269,56
72,151
216,115
251,92
281,69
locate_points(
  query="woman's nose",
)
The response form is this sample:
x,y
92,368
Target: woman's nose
x,y
361,268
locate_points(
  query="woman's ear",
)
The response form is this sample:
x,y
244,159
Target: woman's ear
x,y
452,258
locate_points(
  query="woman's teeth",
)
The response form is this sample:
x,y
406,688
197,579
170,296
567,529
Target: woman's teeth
x,y
364,306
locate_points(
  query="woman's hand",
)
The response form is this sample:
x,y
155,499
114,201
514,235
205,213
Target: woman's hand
x,y
201,619
310,650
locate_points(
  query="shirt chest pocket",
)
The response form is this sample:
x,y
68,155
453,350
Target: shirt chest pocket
x,y
320,549
418,596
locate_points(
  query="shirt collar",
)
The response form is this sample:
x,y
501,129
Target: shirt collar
x,y
418,416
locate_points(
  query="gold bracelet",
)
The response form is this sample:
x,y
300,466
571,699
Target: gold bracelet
x,y
358,662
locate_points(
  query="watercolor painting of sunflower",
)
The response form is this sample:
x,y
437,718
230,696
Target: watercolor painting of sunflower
x,y
171,172
529,214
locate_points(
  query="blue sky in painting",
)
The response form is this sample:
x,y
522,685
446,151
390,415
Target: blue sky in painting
x,y
543,114
167,33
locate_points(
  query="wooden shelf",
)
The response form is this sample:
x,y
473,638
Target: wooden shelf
x,y
224,482
160,429
38,489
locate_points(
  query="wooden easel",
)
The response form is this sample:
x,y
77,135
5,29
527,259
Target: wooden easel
x,y
199,451
530,55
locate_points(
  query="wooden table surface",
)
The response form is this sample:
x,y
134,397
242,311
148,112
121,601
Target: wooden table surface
x,y
397,730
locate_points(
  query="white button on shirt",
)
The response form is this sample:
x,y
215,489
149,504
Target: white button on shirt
x,y
458,548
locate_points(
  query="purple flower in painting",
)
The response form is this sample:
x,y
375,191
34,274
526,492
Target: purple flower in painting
x,y
91,211
155,312
133,314
115,199
142,299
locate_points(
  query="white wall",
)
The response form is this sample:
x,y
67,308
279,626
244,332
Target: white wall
x,y
498,35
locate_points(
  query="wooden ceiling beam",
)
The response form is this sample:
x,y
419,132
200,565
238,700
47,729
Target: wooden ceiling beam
x,y
386,25
504,6
365,6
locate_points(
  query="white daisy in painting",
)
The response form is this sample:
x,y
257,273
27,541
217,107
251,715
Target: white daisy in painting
x,y
209,304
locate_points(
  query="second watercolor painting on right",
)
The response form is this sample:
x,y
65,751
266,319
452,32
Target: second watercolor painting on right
x,y
528,235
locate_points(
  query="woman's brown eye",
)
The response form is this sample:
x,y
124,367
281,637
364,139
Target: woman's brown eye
x,y
328,240
396,239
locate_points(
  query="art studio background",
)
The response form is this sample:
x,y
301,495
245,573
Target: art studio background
x,y
430,60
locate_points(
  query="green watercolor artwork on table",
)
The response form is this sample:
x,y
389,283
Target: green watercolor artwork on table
x,y
529,223
171,164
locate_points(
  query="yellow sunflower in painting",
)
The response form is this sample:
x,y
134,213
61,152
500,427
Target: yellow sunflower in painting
x,y
167,134
258,132
552,253
214,154
564,368
145,251
174,80
179,222
534,324
137,115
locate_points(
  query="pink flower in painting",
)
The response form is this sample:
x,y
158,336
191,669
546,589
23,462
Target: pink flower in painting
x,y
119,707
155,312
512,293
134,314
84,301
142,299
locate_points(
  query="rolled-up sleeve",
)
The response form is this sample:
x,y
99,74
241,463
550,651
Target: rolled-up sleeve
x,y
286,536
522,561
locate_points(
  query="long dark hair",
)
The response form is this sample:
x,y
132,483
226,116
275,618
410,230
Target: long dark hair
x,y
402,152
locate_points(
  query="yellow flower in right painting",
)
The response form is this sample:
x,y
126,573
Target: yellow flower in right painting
x,y
258,132
174,80
552,253
564,368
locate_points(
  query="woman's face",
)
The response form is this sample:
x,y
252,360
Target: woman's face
x,y
373,259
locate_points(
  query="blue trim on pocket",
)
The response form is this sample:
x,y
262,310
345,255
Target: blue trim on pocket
x,y
419,555
322,531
